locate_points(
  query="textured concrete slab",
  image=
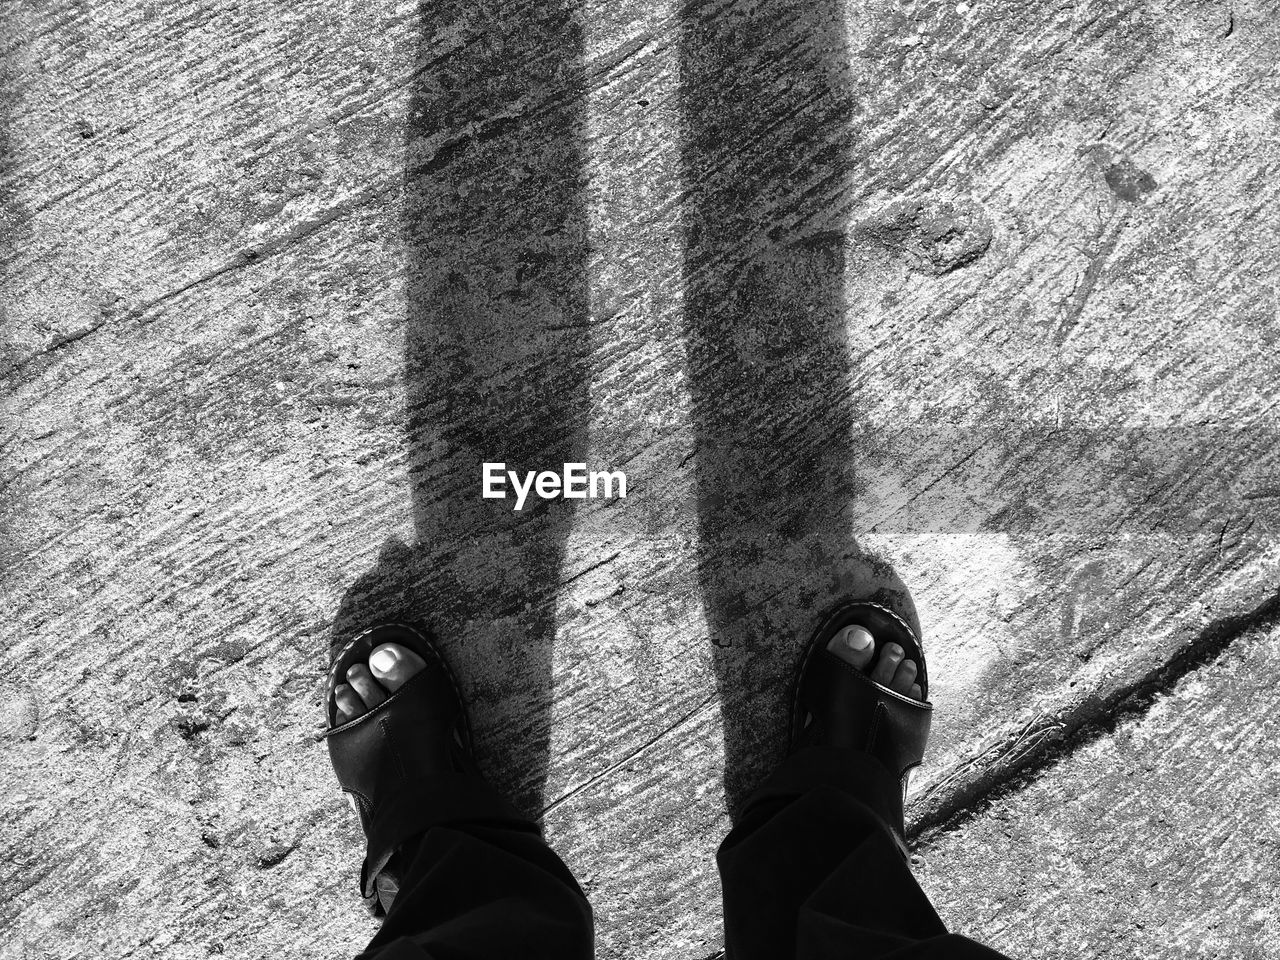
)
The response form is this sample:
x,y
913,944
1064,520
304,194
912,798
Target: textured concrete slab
x,y
976,303
1156,839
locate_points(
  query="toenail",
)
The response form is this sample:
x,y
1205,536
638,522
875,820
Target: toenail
x,y
858,638
383,660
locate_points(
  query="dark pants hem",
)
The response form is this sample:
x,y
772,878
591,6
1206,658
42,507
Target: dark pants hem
x,y
481,890
816,869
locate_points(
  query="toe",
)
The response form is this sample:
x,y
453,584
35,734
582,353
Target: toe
x,y
916,691
362,682
392,665
904,677
887,664
348,702
853,645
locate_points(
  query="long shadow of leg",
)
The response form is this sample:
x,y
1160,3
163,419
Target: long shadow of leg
x,y
496,359
14,230
765,96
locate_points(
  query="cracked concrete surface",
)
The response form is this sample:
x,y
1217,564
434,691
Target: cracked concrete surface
x,y
969,307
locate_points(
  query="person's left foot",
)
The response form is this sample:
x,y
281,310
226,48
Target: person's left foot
x,y
390,666
885,664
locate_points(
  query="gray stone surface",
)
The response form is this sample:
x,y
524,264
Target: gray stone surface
x,y
977,302
1158,838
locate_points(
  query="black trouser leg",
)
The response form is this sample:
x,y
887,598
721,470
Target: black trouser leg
x,y
816,869
483,890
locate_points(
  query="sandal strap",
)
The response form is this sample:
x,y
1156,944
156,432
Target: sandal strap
x,y
851,711
410,731
408,761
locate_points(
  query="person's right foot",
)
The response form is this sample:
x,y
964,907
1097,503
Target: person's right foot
x,y
855,646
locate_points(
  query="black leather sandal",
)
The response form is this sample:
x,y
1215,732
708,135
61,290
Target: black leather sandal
x,y
407,763
837,705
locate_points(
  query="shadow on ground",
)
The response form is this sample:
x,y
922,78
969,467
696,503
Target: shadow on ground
x,y
498,347
496,354
765,161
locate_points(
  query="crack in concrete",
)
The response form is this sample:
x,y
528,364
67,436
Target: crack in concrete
x,y
1056,738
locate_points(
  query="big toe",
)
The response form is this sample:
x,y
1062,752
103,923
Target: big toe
x,y
854,645
394,665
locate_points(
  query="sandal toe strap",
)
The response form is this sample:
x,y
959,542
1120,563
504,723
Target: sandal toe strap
x,y
409,734
851,711
408,761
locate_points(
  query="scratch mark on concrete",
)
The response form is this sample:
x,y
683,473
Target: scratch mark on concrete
x,y
1084,290
618,765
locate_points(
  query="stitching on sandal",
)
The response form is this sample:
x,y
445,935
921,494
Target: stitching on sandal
x,y
388,735
876,716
